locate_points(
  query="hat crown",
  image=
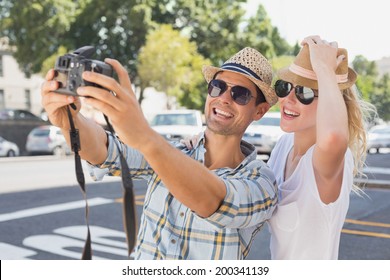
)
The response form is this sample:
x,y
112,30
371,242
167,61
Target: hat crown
x,y
301,72
303,60
254,61
251,64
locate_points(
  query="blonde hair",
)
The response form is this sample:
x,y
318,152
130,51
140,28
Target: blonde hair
x,y
359,113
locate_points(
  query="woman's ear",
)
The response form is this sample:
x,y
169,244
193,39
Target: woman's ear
x,y
262,108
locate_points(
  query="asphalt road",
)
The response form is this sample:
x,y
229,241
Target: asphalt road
x,y
42,214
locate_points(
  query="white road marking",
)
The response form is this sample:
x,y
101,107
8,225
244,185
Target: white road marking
x,y
53,208
11,252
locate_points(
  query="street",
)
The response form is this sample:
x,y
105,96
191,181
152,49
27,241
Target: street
x,y
42,214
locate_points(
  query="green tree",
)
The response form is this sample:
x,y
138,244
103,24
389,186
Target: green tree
x,y
367,75
213,24
261,35
44,29
176,69
35,27
381,98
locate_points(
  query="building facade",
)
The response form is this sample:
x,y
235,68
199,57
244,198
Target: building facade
x,y
16,90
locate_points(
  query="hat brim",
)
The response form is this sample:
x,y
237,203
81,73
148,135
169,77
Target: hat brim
x,y
288,76
269,93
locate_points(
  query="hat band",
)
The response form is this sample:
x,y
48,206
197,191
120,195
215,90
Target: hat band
x,y
241,69
309,74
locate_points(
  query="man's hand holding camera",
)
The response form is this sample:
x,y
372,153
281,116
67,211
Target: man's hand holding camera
x,y
55,104
76,75
119,103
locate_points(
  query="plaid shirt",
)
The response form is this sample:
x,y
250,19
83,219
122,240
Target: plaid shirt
x,y
170,230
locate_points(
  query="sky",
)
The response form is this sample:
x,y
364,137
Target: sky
x,y
360,26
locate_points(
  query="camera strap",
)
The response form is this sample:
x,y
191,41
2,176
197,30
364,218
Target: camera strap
x,y
129,210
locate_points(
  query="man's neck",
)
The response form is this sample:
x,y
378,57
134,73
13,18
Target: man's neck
x,y
222,151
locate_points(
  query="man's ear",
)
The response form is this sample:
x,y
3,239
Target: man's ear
x,y
262,108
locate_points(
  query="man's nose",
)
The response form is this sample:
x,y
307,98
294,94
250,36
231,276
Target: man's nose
x,y
227,95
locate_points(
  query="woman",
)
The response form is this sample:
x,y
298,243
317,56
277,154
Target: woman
x,y
315,162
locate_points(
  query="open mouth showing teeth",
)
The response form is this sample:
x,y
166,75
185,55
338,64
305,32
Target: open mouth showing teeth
x,y
290,113
222,113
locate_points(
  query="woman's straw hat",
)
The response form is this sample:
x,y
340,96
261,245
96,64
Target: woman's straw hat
x,y
253,65
300,72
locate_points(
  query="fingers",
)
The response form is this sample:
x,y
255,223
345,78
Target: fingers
x,y
334,44
123,76
316,40
311,40
113,96
50,98
188,143
50,75
108,82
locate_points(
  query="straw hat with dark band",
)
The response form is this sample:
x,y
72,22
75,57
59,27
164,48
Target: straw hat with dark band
x,y
251,64
300,72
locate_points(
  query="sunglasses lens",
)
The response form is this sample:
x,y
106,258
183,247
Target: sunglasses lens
x,y
241,95
216,88
282,88
304,94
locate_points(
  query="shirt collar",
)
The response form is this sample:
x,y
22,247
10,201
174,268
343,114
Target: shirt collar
x,y
248,150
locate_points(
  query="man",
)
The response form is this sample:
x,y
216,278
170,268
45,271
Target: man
x,y
205,203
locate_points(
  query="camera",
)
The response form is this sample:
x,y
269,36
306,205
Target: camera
x,y
70,67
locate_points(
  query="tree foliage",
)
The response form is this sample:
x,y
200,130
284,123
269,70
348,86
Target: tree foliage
x,y
42,30
381,97
261,35
374,88
175,70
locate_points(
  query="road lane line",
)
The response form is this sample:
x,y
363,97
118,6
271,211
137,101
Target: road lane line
x,y
366,223
376,170
365,233
53,208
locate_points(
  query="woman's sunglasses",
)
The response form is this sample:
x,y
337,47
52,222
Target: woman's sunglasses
x,y
241,95
305,95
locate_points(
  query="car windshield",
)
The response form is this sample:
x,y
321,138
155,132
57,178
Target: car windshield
x,y
174,119
268,121
41,132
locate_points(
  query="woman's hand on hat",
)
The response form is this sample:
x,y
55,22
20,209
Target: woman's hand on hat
x,y
323,54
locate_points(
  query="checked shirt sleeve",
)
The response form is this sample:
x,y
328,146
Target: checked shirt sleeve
x,y
139,168
251,196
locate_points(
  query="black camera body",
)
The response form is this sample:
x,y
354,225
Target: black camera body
x,y
70,67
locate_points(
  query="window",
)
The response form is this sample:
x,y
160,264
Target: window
x,y
1,66
27,99
2,99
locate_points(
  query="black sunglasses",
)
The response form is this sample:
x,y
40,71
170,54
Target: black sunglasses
x,y
241,95
305,95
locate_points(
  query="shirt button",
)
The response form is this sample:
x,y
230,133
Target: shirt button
x,y
173,241
181,214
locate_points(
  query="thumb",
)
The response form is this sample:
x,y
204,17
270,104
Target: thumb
x,y
340,58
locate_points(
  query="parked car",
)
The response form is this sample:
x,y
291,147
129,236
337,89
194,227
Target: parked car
x,y
8,148
18,114
264,133
378,137
177,124
47,139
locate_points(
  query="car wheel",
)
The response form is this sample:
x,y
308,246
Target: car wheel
x,y
11,153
